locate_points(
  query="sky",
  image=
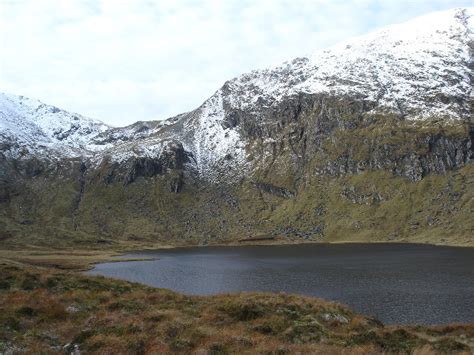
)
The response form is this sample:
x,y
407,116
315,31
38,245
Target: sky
x,y
124,61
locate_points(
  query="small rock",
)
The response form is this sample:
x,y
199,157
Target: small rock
x,y
72,349
334,317
73,309
430,220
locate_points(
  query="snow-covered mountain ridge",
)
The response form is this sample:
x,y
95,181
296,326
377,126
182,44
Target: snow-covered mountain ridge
x,y
418,70
404,68
28,124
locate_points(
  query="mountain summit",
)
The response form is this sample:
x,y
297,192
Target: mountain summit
x,y
316,148
418,69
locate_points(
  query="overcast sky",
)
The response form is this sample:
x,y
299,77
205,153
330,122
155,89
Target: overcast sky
x,y
123,61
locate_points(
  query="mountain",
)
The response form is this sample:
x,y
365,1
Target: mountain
x,y
34,128
371,139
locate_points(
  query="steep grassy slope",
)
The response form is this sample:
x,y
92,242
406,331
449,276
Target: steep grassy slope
x,y
318,169
371,206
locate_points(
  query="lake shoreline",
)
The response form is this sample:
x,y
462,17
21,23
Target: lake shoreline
x,y
268,243
368,270
71,257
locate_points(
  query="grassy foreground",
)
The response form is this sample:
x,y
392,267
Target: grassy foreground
x,y
47,310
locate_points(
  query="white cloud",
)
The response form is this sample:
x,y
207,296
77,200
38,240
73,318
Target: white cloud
x,y
123,61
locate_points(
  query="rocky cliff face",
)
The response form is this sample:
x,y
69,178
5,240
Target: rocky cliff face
x,y
371,139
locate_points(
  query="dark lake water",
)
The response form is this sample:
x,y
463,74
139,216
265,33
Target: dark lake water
x,y
396,283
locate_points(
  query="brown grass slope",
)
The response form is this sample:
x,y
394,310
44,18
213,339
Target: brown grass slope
x,y
43,310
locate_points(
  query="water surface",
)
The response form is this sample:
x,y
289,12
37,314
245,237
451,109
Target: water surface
x,y
397,283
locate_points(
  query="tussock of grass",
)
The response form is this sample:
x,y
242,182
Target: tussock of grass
x,y
60,311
